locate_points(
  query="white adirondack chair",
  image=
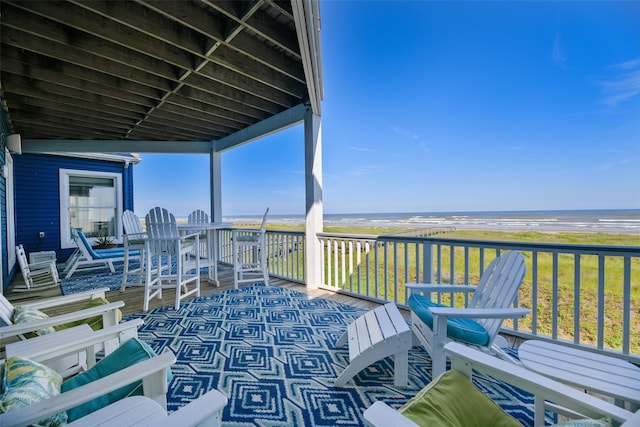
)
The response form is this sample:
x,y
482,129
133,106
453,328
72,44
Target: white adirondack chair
x,y
568,401
200,217
134,240
250,254
87,258
37,275
109,313
149,409
74,350
164,244
479,322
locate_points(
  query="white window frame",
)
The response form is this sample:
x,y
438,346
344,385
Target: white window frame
x,y
11,217
65,222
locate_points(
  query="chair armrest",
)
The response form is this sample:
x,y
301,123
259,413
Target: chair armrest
x,y
480,313
67,299
122,332
464,359
23,328
427,288
382,415
189,236
135,236
634,420
42,265
200,412
153,370
246,230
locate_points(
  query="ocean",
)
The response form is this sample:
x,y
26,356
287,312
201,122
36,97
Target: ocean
x,y
607,221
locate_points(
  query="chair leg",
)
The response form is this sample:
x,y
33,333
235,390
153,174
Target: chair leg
x,y
125,271
438,356
236,266
147,283
179,284
263,264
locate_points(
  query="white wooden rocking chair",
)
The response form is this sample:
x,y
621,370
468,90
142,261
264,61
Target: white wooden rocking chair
x,y
479,322
37,275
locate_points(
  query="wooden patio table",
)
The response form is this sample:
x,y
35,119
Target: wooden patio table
x,y
584,369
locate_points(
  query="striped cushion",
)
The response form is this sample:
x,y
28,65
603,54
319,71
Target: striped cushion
x,y
465,330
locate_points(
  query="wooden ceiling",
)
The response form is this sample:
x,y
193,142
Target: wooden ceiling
x,y
184,71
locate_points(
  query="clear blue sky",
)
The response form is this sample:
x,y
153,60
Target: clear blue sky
x,y
447,106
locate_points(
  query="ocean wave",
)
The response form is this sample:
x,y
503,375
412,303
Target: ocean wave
x,y
625,221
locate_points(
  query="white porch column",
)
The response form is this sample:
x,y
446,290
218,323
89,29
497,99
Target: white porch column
x,y
313,193
215,185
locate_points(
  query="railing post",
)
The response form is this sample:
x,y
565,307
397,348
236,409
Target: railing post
x,y
313,196
427,262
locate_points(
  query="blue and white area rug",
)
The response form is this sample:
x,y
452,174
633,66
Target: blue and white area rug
x,y
82,281
87,280
271,351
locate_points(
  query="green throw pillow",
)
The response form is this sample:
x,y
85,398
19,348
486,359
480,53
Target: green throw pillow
x,y
94,322
453,401
129,353
25,382
27,315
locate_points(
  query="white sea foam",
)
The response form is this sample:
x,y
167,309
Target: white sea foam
x,y
623,221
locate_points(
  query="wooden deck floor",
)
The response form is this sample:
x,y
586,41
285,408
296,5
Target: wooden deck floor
x,y
133,296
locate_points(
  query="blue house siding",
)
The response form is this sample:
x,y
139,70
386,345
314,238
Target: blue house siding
x,y
37,197
127,187
6,274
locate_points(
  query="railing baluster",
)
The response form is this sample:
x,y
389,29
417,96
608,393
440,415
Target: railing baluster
x,y
626,305
395,272
534,292
601,299
336,262
554,296
576,299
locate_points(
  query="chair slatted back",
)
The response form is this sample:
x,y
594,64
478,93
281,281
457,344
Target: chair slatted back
x,y
264,221
131,224
162,232
499,286
198,217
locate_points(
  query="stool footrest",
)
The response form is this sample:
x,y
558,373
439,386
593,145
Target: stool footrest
x,y
377,334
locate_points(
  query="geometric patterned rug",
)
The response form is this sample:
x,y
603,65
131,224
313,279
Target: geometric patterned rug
x,y
87,280
271,351
82,281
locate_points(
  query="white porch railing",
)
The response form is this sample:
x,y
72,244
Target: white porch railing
x,y
285,253
583,295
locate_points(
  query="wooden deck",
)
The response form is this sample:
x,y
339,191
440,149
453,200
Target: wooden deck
x,y
133,296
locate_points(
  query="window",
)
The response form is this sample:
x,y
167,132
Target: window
x,y
90,201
